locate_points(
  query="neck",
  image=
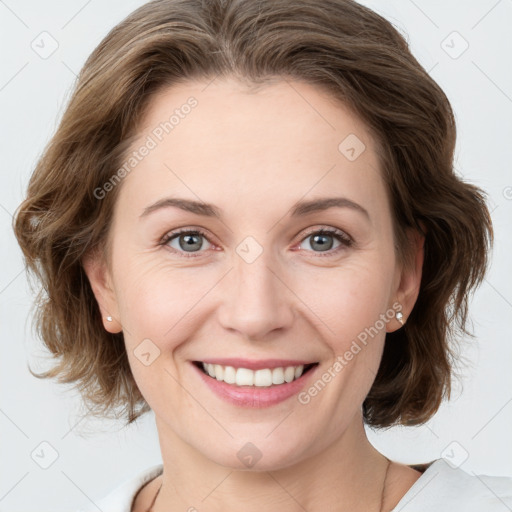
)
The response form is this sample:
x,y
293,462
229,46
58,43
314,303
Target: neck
x,y
348,475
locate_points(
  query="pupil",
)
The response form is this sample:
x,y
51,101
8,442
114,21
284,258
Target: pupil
x,y
193,242
323,242
190,242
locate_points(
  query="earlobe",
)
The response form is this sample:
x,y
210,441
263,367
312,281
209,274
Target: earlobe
x,y
101,284
410,278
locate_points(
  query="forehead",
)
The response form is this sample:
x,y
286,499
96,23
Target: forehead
x,y
228,111
280,138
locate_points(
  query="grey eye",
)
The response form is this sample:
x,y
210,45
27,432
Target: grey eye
x,y
320,242
188,242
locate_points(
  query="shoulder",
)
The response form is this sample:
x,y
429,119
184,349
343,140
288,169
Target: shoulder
x,y
443,488
120,499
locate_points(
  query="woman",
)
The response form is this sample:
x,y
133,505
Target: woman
x,y
248,222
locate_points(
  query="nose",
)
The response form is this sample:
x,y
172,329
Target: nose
x,y
256,299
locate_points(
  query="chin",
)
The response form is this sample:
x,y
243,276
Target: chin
x,y
257,455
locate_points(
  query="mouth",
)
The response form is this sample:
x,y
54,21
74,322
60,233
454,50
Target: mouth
x,y
262,377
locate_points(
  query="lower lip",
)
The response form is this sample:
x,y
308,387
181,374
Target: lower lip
x,y
253,396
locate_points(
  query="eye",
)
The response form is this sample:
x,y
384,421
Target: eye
x,y
193,242
186,241
325,240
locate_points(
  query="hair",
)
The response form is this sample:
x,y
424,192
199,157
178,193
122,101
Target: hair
x,y
337,45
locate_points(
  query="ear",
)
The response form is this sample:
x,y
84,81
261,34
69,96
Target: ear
x,y
409,277
100,278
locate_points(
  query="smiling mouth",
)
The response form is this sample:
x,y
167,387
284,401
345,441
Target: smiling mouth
x,y
245,377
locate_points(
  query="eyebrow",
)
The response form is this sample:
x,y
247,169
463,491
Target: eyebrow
x,y
199,208
315,205
299,209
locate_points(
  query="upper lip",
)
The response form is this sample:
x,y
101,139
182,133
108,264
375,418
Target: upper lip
x,y
256,364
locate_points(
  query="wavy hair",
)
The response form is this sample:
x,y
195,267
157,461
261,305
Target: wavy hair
x,y
338,45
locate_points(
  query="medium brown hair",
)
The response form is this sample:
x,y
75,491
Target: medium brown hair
x,y
338,45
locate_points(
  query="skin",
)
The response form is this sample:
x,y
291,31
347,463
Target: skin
x,y
254,154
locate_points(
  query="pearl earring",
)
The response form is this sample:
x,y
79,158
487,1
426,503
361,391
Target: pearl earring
x,y
109,319
400,317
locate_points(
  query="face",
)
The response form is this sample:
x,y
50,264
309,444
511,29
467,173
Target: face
x,y
225,250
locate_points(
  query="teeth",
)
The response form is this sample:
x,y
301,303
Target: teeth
x,y
229,375
211,370
277,376
260,378
219,372
244,377
263,378
289,373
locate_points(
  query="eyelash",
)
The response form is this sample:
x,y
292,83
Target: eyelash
x,y
344,239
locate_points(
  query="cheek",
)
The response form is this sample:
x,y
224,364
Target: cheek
x,y
348,299
159,309
155,300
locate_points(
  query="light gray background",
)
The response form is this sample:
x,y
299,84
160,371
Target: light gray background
x,y
472,430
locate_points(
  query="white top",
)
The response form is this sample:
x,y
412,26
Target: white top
x,y
441,488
